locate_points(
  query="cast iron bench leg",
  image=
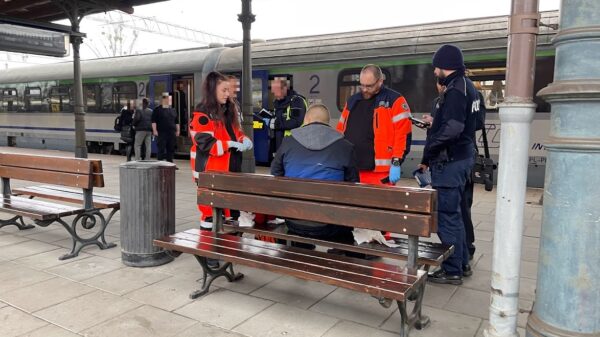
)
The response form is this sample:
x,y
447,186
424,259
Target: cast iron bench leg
x,y
88,221
210,274
16,221
415,318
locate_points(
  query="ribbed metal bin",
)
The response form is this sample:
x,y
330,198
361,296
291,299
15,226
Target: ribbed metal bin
x,y
147,211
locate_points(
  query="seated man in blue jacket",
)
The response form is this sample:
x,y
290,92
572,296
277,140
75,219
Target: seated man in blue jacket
x,y
317,151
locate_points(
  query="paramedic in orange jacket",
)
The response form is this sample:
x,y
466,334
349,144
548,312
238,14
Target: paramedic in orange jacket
x,y
217,137
376,120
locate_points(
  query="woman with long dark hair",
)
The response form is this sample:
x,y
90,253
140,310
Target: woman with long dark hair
x,y
215,129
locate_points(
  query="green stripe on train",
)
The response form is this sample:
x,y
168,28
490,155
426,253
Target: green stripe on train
x,y
397,62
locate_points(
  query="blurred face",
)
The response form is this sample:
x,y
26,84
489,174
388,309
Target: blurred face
x,y
369,85
439,73
278,89
165,101
234,86
223,92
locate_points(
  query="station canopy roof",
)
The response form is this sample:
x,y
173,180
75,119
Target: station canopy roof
x,y
53,10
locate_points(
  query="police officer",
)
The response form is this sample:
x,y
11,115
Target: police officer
x,y
449,153
290,108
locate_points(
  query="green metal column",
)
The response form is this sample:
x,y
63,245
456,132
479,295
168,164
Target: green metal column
x,y
567,299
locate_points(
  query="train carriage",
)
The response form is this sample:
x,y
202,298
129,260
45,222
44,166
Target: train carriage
x,y
36,103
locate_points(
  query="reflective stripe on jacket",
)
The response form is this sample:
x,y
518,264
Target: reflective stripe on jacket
x,y
288,114
209,149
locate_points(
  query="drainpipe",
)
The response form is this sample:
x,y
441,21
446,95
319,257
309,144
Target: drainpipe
x,y
567,301
516,115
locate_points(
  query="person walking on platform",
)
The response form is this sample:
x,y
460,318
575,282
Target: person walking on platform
x,y
449,153
317,151
165,126
126,128
290,108
376,121
142,122
217,137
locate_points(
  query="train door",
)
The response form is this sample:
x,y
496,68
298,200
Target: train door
x,y
157,85
260,100
182,101
183,104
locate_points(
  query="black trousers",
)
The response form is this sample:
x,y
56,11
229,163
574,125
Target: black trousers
x,y
465,209
166,147
333,233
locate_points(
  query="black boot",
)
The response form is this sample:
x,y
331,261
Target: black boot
x,y
441,277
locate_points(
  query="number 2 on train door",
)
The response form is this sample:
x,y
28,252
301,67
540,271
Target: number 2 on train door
x,y
141,89
314,89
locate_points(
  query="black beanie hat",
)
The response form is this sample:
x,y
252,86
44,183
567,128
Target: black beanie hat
x,y
448,57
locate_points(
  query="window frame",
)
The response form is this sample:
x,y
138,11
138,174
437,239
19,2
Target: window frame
x,y
15,101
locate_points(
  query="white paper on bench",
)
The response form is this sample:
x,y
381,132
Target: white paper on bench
x,y
362,235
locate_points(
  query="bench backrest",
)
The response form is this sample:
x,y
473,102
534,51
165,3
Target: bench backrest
x,y
64,171
410,211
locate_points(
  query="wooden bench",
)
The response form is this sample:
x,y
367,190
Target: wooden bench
x,y
84,174
400,210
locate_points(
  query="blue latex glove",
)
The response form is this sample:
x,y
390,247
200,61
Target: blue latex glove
x,y
395,173
247,144
235,145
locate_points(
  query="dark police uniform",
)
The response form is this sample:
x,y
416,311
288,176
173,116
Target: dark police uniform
x,y
289,114
449,152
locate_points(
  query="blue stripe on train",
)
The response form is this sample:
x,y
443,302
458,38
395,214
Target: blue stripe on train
x,y
414,142
54,129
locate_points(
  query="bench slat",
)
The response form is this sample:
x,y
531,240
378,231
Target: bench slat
x,y
68,195
44,176
429,254
362,195
289,261
396,222
324,260
37,209
57,164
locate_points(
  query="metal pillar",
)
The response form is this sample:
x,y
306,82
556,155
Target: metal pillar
x,y
75,14
246,18
80,143
567,301
516,114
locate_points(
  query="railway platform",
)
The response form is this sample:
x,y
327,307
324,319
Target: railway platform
x,y
94,294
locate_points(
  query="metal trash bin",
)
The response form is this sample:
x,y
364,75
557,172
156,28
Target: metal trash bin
x,y
147,211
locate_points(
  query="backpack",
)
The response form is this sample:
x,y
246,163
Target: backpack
x,y
117,126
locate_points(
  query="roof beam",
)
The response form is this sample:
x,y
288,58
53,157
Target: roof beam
x,y
16,5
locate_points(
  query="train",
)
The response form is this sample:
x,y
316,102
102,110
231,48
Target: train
x,y
36,103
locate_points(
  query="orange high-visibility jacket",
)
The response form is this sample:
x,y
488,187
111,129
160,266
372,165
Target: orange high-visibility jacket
x,y
209,151
391,126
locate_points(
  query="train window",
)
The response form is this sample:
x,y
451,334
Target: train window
x,y
8,99
491,83
106,98
257,94
91,95
159,88
123,93
60,99
349,84
33,99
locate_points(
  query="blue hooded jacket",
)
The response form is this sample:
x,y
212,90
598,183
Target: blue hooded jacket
x,y
316,151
